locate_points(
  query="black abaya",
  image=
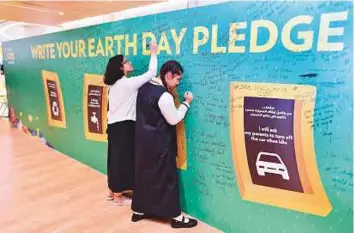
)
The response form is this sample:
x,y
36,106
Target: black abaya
x,y
156,176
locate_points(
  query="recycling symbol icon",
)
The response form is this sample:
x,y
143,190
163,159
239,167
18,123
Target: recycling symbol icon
x,y
55,108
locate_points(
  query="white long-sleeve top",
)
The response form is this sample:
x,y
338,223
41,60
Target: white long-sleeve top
x,y
167,106
123,93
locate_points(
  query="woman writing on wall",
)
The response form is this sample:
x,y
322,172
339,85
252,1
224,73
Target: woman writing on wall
x,y
121,116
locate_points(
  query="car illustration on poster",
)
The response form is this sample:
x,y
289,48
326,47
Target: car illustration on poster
x,y
271,163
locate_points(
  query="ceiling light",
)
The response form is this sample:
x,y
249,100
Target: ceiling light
x,y
61,13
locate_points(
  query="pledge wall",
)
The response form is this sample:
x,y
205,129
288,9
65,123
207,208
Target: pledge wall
x,y
267,144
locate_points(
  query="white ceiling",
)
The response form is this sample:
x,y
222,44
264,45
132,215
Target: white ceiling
x,y
15,30
10,30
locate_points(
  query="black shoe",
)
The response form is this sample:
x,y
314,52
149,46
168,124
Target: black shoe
x,y
182,224
138,217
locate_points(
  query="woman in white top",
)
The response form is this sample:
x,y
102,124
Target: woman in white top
x,y
121,123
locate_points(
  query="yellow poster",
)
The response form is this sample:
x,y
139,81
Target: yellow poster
x,y
273,147
181,139
95,107
54,99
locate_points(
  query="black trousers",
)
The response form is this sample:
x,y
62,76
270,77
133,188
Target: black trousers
x,y
120,159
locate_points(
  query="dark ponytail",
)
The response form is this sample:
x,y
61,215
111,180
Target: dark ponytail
x,y
114,70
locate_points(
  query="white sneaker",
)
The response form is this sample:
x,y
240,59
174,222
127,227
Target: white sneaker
x,y
110,196
123,201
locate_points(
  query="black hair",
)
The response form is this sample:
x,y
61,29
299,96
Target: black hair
x,y
170,66
114,70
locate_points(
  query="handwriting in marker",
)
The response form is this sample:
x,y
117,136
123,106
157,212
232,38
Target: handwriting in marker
x,y
309,75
